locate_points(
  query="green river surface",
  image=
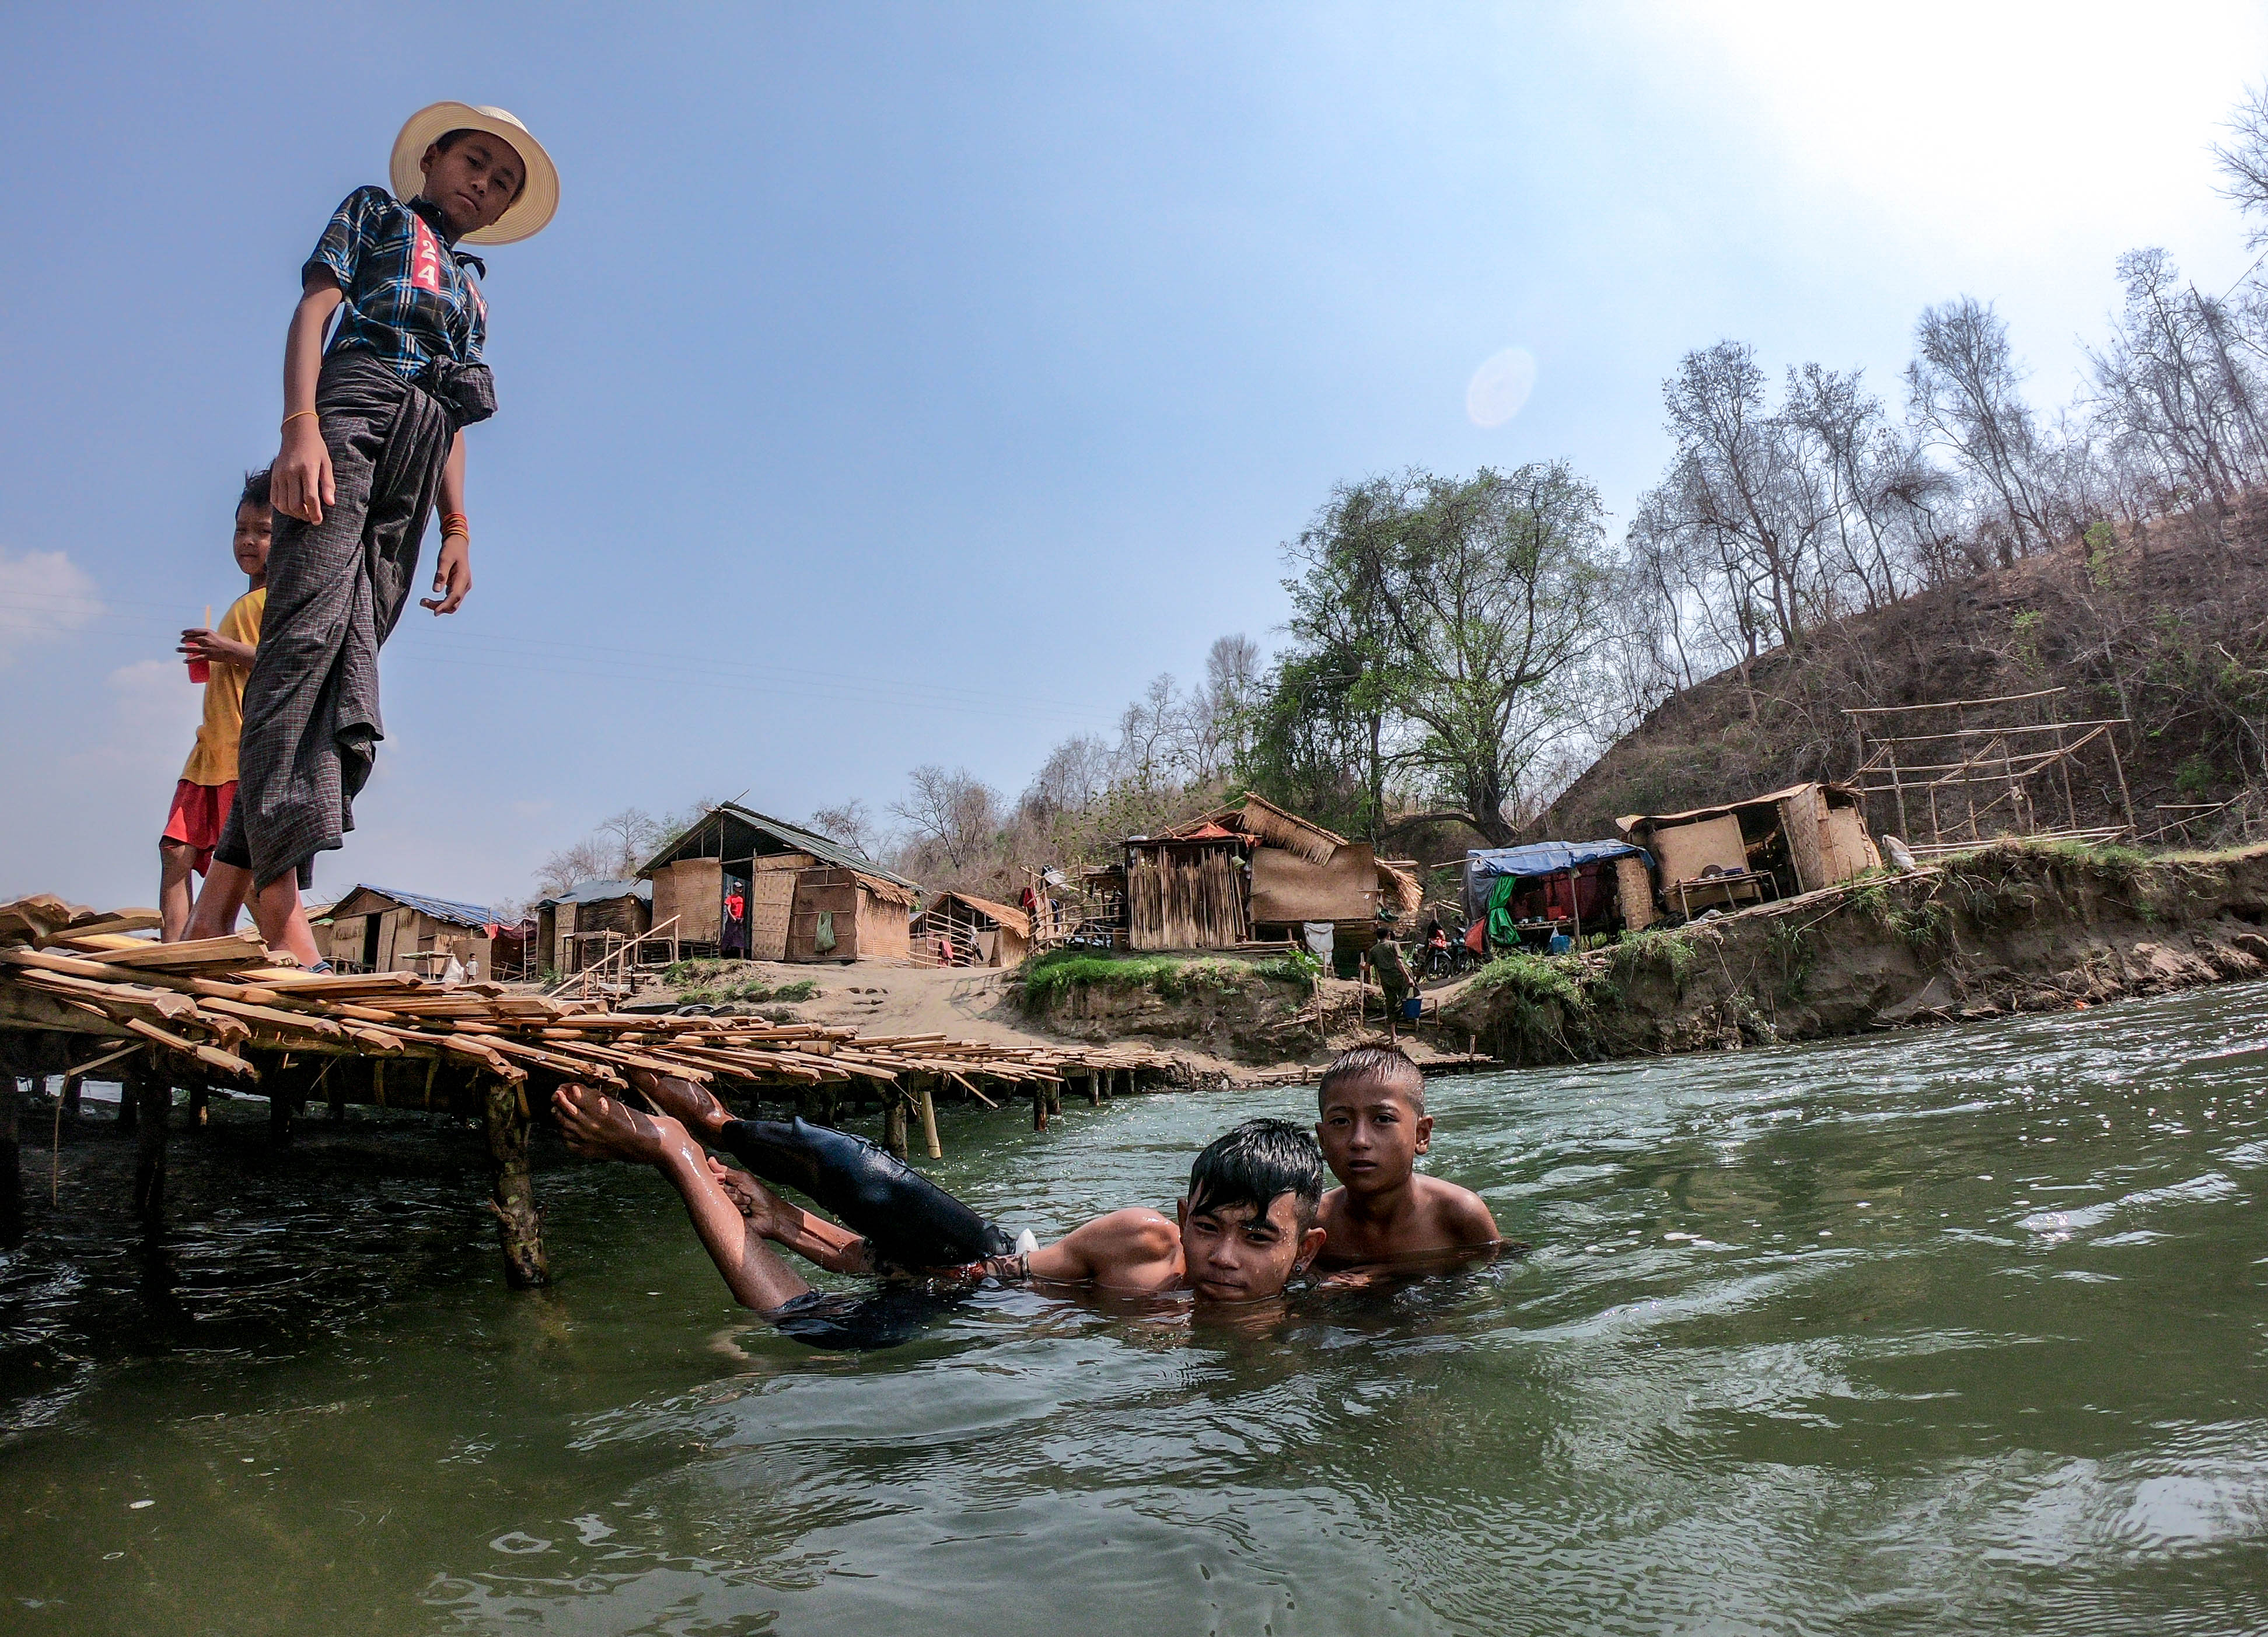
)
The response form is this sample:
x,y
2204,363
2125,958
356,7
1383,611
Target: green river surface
x,y
1951,1331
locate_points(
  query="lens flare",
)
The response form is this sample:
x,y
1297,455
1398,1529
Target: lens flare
x,y
1500,386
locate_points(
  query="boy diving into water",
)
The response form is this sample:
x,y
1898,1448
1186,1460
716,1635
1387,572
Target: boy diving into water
x,y
1246,1227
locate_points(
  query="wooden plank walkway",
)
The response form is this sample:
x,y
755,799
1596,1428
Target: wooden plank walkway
x,y
80,993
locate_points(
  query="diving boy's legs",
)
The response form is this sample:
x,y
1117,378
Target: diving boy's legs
x,y
598,1128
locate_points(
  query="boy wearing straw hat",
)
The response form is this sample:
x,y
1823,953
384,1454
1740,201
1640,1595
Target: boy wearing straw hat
x,y
373,437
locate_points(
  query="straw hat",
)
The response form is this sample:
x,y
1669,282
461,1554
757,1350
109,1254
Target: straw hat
x,y
537,200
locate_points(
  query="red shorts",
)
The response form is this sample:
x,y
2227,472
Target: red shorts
x,y
199,812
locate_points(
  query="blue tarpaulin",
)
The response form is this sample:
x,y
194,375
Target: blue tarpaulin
x,y
1544,858
1484,865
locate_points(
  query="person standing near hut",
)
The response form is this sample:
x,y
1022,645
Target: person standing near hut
x,y
372,437
207,787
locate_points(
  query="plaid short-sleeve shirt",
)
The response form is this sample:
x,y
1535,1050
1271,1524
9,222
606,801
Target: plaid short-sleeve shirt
x,y
410,297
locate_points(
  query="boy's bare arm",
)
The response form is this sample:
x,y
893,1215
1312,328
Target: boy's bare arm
x,y
452,575
1135,1248
200,643
301,483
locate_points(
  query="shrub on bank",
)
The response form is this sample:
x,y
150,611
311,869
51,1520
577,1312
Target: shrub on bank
x,y
1046,979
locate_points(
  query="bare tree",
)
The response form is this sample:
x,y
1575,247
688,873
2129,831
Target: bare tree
x,y
2177,382
613,850
2243,161
956,815
1964,393
852,825
1150,733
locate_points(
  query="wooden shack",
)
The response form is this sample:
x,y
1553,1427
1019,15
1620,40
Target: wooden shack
x,y
1798,839
380,929
842,914
745,886
579,926
1251,870
961,929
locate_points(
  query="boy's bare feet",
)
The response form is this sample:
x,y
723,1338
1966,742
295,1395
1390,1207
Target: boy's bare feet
x,y
598,1128
689,1103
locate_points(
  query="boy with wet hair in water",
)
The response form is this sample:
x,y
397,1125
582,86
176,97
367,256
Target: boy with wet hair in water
x,y
1374,1126
1244,1231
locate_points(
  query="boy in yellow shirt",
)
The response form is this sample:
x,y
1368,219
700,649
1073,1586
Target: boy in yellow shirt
x,y
208,784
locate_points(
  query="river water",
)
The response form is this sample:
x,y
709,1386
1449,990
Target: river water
x,y
1947,1331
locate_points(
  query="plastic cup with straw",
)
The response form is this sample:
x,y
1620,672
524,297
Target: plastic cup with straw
x,y
201,670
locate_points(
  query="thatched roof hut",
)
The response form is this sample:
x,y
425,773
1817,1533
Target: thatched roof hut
x,y
961,929
1252,871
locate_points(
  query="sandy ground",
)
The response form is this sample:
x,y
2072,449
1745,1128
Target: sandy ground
x,y
888,998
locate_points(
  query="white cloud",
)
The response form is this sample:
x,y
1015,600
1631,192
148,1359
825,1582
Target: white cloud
x,y
43,595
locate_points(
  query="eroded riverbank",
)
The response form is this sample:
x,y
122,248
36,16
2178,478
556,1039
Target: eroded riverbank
x,y
2012,927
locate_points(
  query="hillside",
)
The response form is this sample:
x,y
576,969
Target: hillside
x,y
2168,629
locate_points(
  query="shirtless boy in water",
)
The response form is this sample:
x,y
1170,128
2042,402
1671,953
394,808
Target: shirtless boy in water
x,y
1374,1127
1245,1229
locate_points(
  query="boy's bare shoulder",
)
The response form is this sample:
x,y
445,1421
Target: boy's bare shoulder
x,y
1458,1210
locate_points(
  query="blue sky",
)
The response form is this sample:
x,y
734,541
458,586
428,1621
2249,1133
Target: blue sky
x,y
911,384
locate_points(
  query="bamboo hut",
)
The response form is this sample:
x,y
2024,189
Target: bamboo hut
x,y
961,929
841,915
1798,839
1251,870
380,929
743,885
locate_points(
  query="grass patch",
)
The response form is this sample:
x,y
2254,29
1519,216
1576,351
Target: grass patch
x,y
714,982
1050,978
1543,1000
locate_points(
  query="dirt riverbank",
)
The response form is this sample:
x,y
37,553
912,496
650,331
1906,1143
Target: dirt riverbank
x,y
1231,1021
2015,926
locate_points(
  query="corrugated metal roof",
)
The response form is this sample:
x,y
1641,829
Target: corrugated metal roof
x,y
600,892
438,908
792,838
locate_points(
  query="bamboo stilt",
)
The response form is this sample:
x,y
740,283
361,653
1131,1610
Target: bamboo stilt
x,y
519,1225
12,1166
929,1123
151,1094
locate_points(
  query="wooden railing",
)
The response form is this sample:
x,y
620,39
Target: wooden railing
x,y
610,974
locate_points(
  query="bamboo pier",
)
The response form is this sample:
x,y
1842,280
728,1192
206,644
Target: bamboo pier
x,y
81,993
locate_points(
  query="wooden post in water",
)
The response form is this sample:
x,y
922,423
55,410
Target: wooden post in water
x,y
71,1097
929,1121
12,1165
198,1096
519,1225
151,1096
1039,1106
894,1121
1055,1096
1095,1087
